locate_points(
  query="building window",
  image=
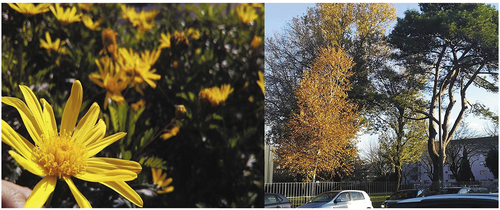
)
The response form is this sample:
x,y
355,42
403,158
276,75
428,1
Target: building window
x,y
451,176
483,172
481,163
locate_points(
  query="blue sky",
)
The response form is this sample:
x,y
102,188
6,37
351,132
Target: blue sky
x,y
279,14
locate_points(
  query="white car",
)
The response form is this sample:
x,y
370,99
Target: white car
x,y
340,199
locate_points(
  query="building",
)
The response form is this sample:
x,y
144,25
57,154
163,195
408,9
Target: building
x,y
477,149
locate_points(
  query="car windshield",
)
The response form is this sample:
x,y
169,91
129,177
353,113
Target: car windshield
x,y
403,195
324,197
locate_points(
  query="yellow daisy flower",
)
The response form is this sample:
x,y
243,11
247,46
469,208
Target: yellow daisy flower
x,y
136,106
179,40
94,26
85,6
161,181
260,82
52,46
170,133
141,70
109,43
215,95
69,152
165,40
246,13
193,33
150,57
144,20
256,41
110,78
29,9
256,5
65,16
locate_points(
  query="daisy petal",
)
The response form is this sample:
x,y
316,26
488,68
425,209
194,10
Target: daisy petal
x,y
72,108
93,135
33,105
80,199
41,192
27,164
96,147
166,190
26,116
16,141
48,117
113,164
87,121
126,191
155,174
162,179
166,182
93,174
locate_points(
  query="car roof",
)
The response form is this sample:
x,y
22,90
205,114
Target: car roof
x,y
336,191
493,196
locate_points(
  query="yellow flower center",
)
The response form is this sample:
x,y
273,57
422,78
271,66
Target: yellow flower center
x,y
60,155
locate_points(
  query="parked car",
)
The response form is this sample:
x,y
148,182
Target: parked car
x,y
275,200
469,200
340,199
404,194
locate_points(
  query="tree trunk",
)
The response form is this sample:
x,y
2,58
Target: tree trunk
x,y
398,173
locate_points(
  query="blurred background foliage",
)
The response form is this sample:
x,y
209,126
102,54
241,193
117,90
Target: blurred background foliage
x,y
214,154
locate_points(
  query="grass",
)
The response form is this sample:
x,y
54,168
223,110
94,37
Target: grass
x,y
377,200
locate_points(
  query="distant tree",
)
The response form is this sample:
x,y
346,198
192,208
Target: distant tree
x,y
455,46
492,161
375,161
427,164
403,144
465,172
456,147
402,137
320,134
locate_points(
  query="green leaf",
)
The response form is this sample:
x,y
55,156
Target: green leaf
x,y
114,117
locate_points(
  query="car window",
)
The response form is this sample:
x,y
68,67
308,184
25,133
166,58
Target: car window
x,y
463,191
356,196
344,197
270,199
325,197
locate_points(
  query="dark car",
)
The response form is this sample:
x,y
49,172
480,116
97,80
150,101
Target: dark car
x,y
404,194
469,200
275,200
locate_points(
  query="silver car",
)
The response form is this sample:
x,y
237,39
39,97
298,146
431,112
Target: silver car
x,y
340,199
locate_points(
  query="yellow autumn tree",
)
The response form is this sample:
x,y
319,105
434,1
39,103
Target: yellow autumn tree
x,y
346,24
320,136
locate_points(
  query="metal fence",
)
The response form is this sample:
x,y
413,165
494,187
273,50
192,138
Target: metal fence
x,y
300,192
